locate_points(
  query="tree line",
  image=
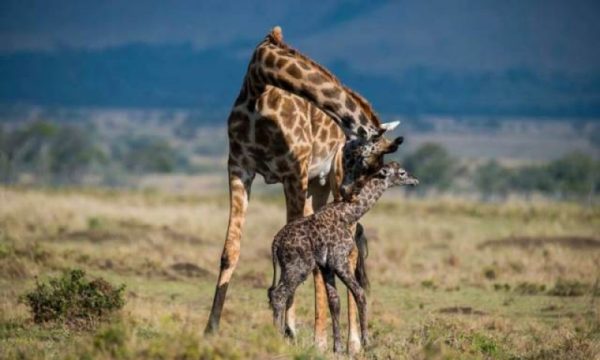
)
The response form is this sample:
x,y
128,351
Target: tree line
x,y
62,153
65,153
574,175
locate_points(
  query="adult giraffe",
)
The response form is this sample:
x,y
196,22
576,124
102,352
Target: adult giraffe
x,y
284,126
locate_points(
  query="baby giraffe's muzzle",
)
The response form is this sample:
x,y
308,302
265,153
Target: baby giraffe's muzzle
x,y
412,181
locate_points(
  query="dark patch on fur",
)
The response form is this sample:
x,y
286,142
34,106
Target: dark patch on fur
x,y
332,93
294,71
350,104
316,78
270,60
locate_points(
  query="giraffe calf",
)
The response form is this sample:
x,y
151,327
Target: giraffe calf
x,y
324,240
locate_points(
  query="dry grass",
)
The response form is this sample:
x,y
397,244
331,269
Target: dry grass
x,y
447,276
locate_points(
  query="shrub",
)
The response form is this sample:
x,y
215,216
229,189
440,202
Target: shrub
x,y
489,273
74,299
432,165
492,178
569,288
428,284
527,288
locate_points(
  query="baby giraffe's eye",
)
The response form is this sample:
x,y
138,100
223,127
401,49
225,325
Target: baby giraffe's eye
x,y
402,172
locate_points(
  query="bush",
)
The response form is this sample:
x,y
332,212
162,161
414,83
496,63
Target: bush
x,y
492,178
74,300
527,288
432,165
569,288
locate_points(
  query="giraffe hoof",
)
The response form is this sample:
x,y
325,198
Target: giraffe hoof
x,y
289,333
354,346
365,341
321,344
211,329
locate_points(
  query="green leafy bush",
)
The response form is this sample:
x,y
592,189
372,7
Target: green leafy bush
x,y
74,299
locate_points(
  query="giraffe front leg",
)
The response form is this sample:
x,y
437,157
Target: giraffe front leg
x,y
318,195
240,181
295,190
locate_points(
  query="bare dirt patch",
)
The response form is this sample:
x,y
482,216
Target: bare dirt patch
x,y
189,270
256,279
461,310
574,242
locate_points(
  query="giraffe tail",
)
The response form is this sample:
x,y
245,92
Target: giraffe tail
x,y
363,251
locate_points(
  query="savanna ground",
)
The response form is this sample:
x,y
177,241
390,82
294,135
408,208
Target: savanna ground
x,y
449,278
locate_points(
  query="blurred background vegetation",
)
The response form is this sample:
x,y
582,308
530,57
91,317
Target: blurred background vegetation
x,y
55,153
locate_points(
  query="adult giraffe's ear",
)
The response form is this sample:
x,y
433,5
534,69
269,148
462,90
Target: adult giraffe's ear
x,y
394,145
389,126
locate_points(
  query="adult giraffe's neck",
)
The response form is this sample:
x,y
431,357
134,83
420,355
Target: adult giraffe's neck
x,y
366,198
276,64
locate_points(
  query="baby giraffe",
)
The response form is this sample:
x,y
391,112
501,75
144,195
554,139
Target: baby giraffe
x,y
325,239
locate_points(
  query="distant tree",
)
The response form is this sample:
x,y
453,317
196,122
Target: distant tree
x,y
47,150
594,137
145,155
73,152
4,161
532,179
575,173
25,149
432,165
492,178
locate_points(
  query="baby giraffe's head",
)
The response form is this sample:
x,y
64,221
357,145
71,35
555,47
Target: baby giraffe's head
x,y
360,161
396,175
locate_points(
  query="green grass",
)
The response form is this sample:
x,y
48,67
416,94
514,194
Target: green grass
x,y
448,278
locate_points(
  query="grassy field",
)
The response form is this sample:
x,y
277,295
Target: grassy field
x,y
450,278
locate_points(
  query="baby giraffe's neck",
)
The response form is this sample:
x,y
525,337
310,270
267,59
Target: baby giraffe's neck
x,y
366,198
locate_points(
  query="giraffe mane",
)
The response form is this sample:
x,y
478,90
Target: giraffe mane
x,y
276,38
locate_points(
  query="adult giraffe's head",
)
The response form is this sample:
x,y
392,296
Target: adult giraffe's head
x,y
362,159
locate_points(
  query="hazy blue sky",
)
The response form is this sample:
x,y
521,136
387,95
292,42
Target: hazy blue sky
x,y
374,36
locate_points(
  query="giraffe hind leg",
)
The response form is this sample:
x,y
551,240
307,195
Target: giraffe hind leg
x,y
290,331
277,300
354,342
334,307
282,296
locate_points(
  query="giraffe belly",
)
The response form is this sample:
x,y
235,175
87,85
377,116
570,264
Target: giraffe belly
x,y
321,167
